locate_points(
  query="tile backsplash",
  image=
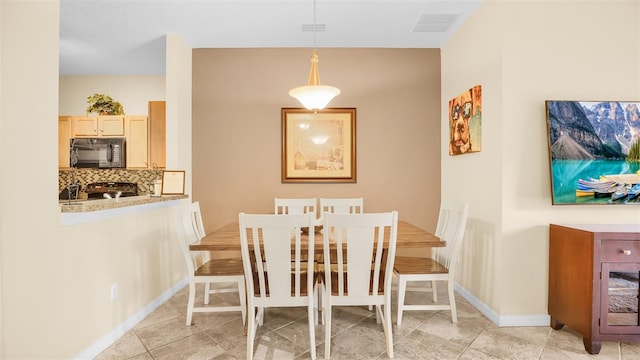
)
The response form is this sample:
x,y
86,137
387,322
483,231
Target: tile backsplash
x,y
142,177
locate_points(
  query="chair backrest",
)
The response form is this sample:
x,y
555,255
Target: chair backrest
x,y
365,245
341,206
271,248
192,232
295,206
193,210
452,222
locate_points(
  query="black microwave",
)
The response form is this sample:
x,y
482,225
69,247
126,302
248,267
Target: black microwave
x,y
101,153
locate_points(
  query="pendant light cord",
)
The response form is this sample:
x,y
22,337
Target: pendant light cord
x,y
314,26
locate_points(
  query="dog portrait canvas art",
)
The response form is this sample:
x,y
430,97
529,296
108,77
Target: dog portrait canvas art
x,y
465,115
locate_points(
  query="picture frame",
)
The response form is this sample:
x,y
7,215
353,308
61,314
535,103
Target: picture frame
x,y
319,146
465,122
594,151
173,182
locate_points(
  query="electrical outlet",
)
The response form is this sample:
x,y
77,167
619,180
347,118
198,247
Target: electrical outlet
x,y
114,291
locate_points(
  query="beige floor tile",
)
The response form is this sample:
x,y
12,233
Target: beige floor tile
x,y
630,351
471,354
463,332
199,346
423,346
364,340
500,343
271,345
163,313
165,332
127,346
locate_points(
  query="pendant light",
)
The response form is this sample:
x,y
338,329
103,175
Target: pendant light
x,y
314,96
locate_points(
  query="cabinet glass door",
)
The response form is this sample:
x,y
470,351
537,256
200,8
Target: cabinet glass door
x,y
619,298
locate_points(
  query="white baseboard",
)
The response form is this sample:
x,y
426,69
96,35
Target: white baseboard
x,y
103,343
503,320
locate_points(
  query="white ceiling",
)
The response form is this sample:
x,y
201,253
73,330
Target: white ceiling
x,y
126,37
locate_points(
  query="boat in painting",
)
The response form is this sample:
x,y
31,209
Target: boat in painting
x,y
634,192
620,193
602,187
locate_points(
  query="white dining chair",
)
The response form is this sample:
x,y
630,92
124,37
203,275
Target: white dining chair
x,y
417,271
227,274
361,273
276,272
341,205
295,206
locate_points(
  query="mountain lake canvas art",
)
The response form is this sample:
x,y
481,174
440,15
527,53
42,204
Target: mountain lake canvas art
x,y
594,151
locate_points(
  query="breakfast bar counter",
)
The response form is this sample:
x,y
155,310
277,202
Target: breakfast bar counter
x,y
105,204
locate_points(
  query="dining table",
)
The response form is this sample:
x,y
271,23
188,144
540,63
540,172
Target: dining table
x,y
227,238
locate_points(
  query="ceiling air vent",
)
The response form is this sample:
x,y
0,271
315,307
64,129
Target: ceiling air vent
x,y
319,27
435,22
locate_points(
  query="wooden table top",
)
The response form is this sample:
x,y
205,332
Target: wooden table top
x,y
227,238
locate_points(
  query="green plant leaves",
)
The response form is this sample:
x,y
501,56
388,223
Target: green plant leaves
x,y
104,105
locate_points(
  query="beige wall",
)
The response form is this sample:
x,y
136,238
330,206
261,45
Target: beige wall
x,y
559,50
55,280
237,98
133,91
2,11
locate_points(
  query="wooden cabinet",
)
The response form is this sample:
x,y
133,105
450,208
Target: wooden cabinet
x,y
136,131
157,133
98,126
146,135
65,125
593,281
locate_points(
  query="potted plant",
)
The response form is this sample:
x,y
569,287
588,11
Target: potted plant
x,y
104,105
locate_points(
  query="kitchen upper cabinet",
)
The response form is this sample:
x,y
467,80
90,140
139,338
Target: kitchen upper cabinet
x,y
65,125
157,134
98,126
137,141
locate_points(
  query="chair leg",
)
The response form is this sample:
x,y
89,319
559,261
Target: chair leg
x,y
192,299
318,297
402,288
311,314
387,326
316,302
260,316
327,330
242,294
452,302
207,291
434,290
251,331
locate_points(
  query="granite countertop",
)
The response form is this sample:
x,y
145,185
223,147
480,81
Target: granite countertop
x,y
81,206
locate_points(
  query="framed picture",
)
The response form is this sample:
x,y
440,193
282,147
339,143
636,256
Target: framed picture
x,y
319,146
465,122
173,182
594,151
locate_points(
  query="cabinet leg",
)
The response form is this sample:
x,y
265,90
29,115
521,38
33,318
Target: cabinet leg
x,y
592,347
556,324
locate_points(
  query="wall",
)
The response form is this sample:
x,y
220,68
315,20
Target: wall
x,y
56,280
2,351
132,91
583,52
237,98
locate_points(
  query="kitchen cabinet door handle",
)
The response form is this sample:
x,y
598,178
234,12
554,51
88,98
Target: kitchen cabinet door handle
x,y
626,252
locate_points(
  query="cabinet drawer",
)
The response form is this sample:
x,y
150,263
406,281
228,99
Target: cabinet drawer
x,y
620,251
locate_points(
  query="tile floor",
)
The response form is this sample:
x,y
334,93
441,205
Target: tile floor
x,y
423,335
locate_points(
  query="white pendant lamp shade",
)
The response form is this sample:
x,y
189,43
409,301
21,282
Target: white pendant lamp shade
x,y
314,96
